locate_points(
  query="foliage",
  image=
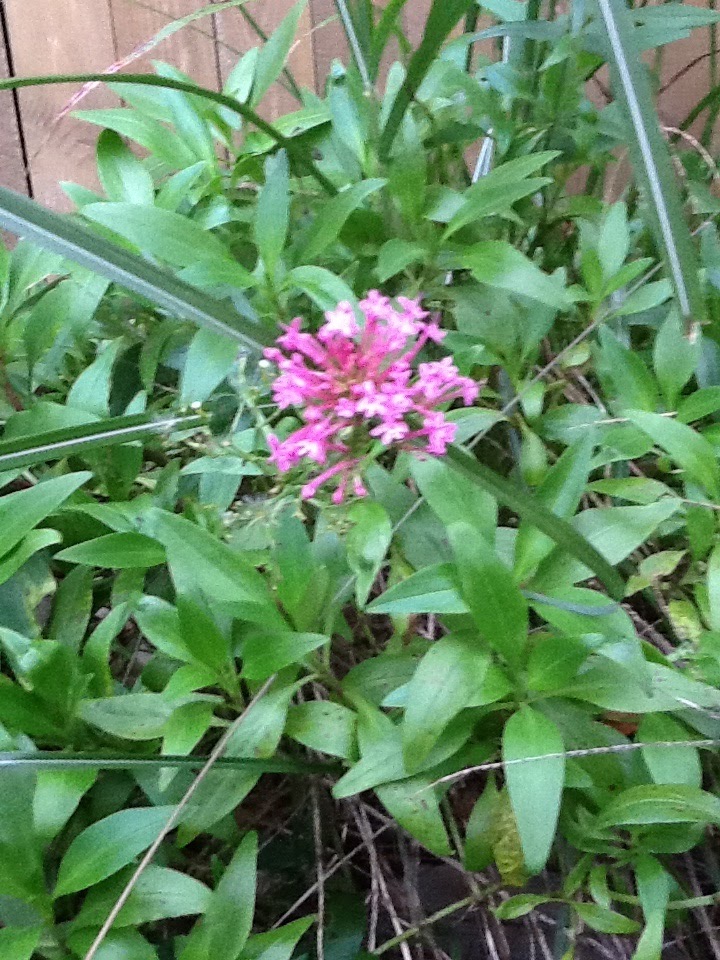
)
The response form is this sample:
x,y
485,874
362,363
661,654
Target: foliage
x,y
511,649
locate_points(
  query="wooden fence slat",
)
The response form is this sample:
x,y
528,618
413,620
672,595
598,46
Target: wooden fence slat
x,y
12,162
48,36
329,41
192,49
238,37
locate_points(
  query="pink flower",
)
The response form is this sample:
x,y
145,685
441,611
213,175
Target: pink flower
x,y
340,321
354,383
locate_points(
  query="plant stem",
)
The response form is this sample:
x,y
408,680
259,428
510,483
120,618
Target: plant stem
x,y
434,918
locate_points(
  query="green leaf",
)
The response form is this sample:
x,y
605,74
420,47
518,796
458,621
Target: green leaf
x,y
329,222
19,943
560,492
273,55
652,160
117,551
323,726
633,382
210,358
199,561
660,803
159,894
456,499
96,652
57,796
272,216
367,544
276,944
133,716
412,802
257,737
264,654
61,235
671,765
527,508
229,917
21,871
497,264
324,288
535,786
478,832
519,906
688,448
169,236
615,532
202,637
21,512
109,845
91,390
431,590
122,174
653,886
124,944
487,586
495,193
159,622
35,541
604,920
713,588
675,358
446,681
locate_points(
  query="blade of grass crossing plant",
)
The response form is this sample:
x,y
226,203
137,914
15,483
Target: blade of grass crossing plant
x,y
151,80
653,163
359,55
388,24
58,444
62,235
51,760
444,16
528,509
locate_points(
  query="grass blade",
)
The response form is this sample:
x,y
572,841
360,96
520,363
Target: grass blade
x,y
301,156
355,45
653,163
444,16
58,444
51,760
60,234
529,509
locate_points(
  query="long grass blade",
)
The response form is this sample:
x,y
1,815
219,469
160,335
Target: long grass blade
x,y
444,16
301,157
387,25
355,45
653,163
527,508
60,234
58,444
51,760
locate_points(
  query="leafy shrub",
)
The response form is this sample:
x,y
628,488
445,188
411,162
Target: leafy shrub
x,y
527,621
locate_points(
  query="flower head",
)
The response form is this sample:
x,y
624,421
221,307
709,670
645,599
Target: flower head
x,y
355,385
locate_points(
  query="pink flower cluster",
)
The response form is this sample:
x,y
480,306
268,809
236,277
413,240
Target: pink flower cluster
x,y
354,383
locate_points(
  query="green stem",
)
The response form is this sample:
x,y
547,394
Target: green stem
x,y
434,918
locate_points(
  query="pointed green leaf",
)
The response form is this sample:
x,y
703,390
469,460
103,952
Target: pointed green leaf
x,y
535,786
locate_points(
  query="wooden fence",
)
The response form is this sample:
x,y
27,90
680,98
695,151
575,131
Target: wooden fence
x,y
38,151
